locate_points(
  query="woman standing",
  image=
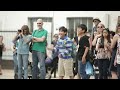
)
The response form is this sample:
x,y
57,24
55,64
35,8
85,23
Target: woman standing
x,y
103,49
96,35
2,48
24,38
114,67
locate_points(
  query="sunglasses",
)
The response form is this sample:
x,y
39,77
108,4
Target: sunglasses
x,y
100,27
39,23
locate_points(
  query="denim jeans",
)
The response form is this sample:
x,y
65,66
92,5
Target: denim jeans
x,y
23,63
81,70
103,65
15,63
38,57
118,70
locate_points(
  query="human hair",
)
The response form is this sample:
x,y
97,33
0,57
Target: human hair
x,y
55,35
118,25
25,27
83,27
102,38
1,36
63,29
112,33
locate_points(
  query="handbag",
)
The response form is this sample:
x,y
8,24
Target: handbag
x,y
89,68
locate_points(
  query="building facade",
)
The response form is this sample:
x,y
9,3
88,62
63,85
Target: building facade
x,y
11,21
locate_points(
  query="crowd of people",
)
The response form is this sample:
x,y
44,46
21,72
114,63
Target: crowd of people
x,y
87,54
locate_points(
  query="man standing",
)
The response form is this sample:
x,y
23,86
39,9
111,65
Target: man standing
x,y
39,50
96,21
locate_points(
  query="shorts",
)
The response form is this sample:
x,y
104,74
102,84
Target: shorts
x,y
65,67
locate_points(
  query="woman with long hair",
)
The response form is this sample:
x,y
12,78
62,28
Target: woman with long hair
x,y
103,56
24,38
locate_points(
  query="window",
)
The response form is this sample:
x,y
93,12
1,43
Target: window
x,y
73,22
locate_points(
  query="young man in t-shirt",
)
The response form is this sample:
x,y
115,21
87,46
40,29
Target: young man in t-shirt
x,y
83,49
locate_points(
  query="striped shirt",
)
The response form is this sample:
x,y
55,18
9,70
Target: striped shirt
x,y
64,47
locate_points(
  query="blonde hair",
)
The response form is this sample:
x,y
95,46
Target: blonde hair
x,y
101,24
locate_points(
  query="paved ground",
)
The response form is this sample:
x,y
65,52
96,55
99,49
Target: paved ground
x,y
9,74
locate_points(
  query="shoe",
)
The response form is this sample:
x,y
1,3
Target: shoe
x,y
15,76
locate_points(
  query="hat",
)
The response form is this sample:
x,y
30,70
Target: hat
x,y
96,19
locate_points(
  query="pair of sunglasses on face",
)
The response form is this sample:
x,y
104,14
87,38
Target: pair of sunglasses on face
x,y
39,23
100,27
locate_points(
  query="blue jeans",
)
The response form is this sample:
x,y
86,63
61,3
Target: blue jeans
x,y
15,63
81,70
38,57
23,62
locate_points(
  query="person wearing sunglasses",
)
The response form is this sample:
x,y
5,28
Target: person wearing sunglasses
x,y
103,48
97,35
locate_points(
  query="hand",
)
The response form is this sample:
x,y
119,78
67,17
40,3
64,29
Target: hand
x,y
34,38
50,47
83,60
59,56
98,35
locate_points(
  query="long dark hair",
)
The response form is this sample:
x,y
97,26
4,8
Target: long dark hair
x,y
102,38
25,27
118,25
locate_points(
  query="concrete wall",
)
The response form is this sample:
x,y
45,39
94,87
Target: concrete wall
x,y
15,19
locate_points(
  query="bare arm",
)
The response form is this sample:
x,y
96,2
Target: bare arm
x,y
95,39
15,38
90,41
51,47
109,46
42,39
114,41
86,51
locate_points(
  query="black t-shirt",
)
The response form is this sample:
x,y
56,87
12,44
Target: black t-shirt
x,y
1,50
83,43
76,39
